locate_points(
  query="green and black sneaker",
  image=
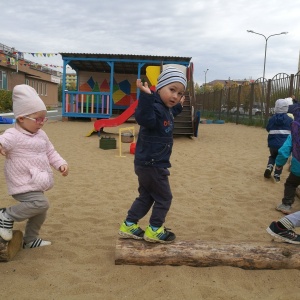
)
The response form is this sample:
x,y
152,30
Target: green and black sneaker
x,y
161,235
131,231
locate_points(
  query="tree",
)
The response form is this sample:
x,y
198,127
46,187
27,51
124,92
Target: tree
x,y
59,93
71,86
197,89
218,86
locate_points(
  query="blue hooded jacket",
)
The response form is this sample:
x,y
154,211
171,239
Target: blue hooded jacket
x,y
155,138
279,127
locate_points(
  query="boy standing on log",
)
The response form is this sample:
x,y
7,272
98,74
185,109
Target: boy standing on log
x,y
155,115
29,157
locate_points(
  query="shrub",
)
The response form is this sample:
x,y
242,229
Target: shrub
x,y
5,101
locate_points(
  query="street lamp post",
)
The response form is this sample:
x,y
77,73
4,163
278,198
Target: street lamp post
x,y
205,77
266,39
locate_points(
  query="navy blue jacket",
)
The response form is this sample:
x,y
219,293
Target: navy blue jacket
x,y
155,138
279,127
292,107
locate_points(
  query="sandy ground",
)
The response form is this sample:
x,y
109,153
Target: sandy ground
x,y
219,192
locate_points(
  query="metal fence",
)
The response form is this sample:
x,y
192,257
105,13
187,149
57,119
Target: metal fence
x,y
248,103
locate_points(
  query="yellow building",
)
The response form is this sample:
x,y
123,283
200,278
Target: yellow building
x,y
71,79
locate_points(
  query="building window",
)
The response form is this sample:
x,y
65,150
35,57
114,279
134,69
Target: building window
x,y
27,81
3,80
45,88
41,88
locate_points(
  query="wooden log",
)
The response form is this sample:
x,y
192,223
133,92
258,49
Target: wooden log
x,y
197,253
9,249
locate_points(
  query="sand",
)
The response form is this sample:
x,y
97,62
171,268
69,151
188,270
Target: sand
x,y
219,192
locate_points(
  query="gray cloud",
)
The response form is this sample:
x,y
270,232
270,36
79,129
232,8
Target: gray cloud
x,y
213,33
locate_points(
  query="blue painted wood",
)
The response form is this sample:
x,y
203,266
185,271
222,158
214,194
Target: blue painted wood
x,y
110,61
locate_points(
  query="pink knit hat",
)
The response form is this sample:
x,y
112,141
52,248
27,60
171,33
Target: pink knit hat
x,y
26,101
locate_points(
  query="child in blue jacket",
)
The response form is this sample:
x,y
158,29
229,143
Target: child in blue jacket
x,y
278,127
290,146
155,115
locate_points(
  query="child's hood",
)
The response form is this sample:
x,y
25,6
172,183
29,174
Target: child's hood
x,y
279,119
281,106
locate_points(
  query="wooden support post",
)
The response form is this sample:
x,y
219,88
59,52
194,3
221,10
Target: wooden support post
x,y
208,254
9,249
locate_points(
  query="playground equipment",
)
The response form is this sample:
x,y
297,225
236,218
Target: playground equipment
x,y
129,139
99,124
152,72
107,143
6,120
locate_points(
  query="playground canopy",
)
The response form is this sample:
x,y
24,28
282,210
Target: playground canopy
x,y
107,81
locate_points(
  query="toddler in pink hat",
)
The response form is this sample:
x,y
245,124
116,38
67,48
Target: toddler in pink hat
x,y
30,157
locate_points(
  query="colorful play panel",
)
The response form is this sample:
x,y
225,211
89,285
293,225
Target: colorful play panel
x,y
107,82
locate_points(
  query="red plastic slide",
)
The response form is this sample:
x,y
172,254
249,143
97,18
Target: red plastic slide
x,y
123,117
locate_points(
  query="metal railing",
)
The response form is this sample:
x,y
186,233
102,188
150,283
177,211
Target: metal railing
x,y
248,101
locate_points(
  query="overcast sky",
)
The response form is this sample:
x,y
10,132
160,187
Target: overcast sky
x,y
212,32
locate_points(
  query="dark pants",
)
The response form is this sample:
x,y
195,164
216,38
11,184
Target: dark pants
x,y
154,191
290,187
273,155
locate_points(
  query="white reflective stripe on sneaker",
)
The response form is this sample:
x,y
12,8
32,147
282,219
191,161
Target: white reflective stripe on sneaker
x,y
287,223
5,222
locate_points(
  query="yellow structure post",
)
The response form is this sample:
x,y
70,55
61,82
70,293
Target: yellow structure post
x,y
131,129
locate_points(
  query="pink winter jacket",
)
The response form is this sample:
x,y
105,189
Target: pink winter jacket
x,y
29,157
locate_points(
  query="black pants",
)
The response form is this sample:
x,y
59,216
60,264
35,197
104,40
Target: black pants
x,y
154,191
273,155
290,187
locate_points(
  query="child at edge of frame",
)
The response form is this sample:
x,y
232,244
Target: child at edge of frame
x,y
29,155
155,114
290,146
283,229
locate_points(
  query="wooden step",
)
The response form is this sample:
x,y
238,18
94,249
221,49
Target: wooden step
x,y
183,123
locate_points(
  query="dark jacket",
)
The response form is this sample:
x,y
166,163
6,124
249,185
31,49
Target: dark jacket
x,y
155,138
293,107
279,127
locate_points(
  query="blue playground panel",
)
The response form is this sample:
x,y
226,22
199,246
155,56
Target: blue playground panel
x,y
6,120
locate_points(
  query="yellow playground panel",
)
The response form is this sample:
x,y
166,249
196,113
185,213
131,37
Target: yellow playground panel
x,y
152,73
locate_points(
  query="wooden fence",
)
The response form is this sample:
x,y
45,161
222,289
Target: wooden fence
x,y
248,101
